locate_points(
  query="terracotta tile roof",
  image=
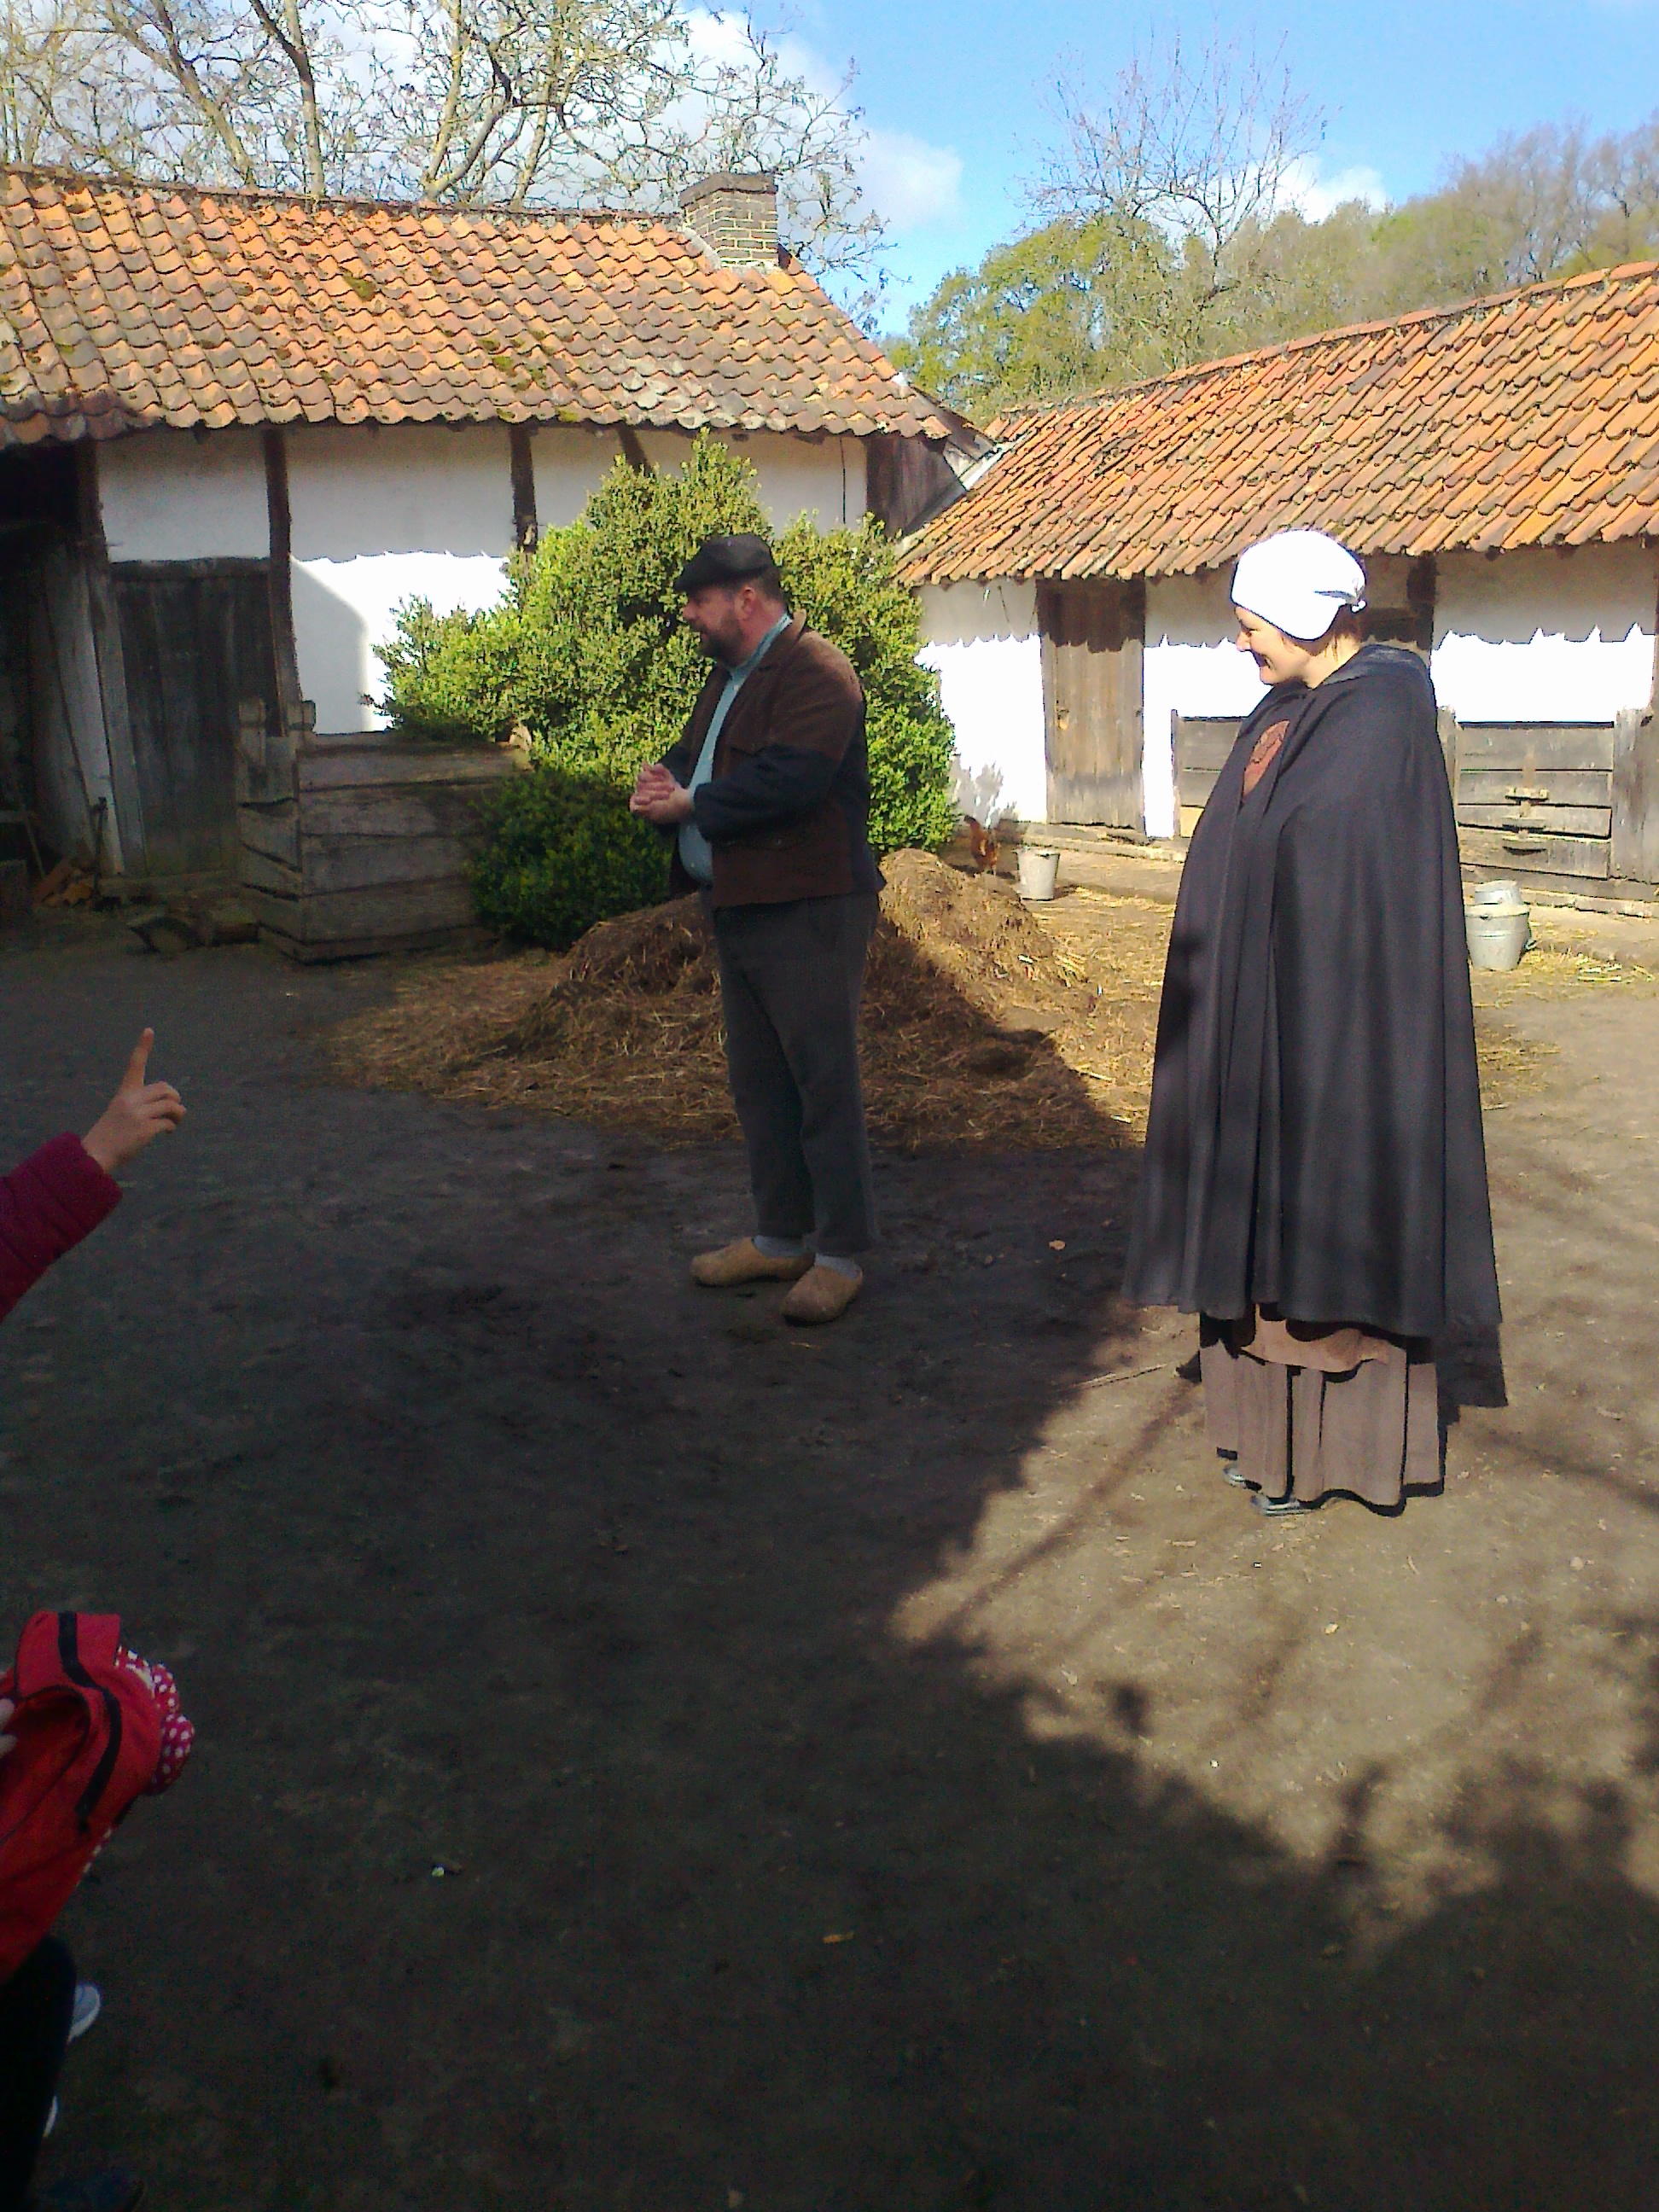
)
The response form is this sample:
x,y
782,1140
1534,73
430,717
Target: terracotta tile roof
x,y
127,307
1528,419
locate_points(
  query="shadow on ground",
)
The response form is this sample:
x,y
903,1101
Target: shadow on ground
x,y
481,1543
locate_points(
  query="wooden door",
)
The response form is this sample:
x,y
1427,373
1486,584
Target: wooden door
x,y
1093,641
195,641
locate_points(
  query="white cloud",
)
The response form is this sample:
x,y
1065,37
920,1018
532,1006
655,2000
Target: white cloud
x,y
910,182
1314,196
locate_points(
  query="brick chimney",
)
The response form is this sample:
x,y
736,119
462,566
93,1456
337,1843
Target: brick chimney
x,y
736,217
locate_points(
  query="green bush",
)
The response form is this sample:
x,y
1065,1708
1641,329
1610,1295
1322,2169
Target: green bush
x,y
566,852
588,651
451,675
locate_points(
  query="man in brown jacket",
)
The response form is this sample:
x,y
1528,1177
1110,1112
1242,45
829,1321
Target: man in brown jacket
x,y
767,796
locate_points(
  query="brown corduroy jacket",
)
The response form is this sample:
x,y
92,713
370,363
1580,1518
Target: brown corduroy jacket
x,y
787,813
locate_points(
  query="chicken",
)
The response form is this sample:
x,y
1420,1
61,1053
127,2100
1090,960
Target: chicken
x,y
982,844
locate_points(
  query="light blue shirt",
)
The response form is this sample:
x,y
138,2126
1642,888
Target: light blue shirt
x,y
696,855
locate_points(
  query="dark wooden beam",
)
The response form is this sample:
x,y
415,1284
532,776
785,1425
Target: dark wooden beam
x,y
526,529
1422,583
633,451
281,585
110,659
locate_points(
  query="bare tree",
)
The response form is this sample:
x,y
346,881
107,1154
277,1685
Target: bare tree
x,y
38,57
510,102
1197,149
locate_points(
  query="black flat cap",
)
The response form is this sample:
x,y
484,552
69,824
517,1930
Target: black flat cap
x,y
726,560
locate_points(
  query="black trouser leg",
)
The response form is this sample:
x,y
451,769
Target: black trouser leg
x,y
792,976
768,1103
35,2007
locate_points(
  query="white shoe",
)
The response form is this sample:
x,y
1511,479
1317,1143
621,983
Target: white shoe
x,y
88,2003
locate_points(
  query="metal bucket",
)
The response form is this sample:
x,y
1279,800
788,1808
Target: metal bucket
x,y
1499,894
1039,869
1498,935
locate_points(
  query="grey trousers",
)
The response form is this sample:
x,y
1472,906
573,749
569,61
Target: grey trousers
x,y
792,976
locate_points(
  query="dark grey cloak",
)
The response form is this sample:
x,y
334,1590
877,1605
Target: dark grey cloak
x,y
1315,1142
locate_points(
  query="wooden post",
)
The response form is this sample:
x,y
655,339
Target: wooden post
x,y
265,761
1635,795
1422,579
526,529
633,451
1447,726
281,573
110,661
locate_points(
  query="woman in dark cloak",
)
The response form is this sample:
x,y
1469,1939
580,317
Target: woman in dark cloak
x,y
1315,1181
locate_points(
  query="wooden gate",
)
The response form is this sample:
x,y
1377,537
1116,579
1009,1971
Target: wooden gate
x,y
1574,799
1093,641
1536,798
196,641
1200,744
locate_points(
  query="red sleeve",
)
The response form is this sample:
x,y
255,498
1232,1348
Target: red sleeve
x,y
56,1197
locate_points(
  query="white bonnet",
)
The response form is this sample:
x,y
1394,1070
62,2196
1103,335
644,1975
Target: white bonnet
x,y
1299,581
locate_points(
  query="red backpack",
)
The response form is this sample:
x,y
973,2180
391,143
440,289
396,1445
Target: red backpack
x,y
88,1731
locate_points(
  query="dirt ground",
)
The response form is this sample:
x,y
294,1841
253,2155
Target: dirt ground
x,y
879,1771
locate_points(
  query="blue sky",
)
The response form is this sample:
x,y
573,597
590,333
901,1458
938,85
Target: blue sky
x,y
953,91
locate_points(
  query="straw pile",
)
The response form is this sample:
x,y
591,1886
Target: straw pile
x,y
981,1028
984,1025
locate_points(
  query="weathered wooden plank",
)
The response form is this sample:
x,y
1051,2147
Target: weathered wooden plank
x,y
1539,821
1526,745
193,647
1202,744
348,864
260,873
398,910
310,954
353,741
272,830
392,811
1205,740
326,770
1523,851
1194,788
1550,786
271,910
1636,797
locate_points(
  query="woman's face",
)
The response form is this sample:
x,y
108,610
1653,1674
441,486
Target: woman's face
x,y
1279,658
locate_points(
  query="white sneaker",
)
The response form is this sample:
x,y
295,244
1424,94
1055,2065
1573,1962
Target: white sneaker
x,y
88,2003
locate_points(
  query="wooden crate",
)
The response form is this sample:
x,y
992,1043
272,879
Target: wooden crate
x,y
361,843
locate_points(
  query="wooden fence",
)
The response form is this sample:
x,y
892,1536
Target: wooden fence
x,y
1573,803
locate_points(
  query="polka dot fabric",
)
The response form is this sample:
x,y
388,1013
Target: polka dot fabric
x,y
177,1733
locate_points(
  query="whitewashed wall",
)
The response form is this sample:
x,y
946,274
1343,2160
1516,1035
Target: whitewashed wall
x,y
167,495
823,478
382,516
379,518
413,511
1192,667
982,640
570,464
1543,636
